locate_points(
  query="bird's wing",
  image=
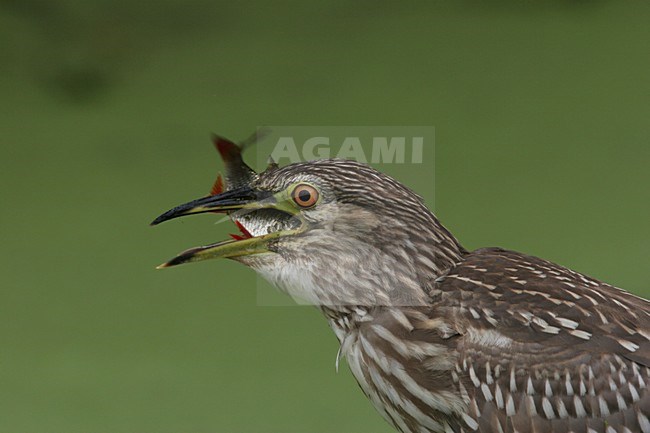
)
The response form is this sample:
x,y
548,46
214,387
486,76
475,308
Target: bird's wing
x,y
545,349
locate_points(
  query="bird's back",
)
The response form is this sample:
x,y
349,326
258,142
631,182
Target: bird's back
x,y
510,343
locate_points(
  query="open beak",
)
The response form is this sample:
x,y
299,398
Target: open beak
x,y
237,203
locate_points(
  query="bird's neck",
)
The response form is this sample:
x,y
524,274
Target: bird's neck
x,y
412,267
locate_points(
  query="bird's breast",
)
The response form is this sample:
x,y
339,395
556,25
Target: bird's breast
x,y
395,378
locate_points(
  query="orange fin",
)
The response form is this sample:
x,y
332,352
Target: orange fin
x,y
237,173
217,187
227,149
242,229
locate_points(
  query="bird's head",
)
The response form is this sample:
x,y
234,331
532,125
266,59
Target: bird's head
x,y
331,232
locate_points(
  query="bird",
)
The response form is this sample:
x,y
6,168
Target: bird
x,y
439,338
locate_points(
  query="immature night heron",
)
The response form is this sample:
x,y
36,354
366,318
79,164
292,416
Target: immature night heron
x,y
440,339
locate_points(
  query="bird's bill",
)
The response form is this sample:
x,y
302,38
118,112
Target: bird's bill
x,y
227,201
240,201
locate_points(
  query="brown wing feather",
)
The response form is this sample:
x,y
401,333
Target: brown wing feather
x,y
546,349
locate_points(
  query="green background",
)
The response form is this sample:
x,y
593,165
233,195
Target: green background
x,y
542,145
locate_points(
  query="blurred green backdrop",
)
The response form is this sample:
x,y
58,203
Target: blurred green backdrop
x,y
541,115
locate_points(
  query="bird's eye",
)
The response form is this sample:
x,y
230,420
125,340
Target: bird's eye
x,y
305,195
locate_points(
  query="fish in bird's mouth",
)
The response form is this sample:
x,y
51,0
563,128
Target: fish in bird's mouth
x,y
262,222
261,216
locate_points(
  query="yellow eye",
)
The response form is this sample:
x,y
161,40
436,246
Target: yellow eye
x,y
305,195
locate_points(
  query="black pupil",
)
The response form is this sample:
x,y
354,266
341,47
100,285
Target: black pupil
x,y
304,195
